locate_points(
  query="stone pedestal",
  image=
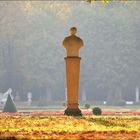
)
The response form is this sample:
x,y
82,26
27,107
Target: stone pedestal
x,y
72,76
72,44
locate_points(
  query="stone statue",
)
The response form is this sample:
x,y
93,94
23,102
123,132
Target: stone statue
x,y
3,96
29,96
72,43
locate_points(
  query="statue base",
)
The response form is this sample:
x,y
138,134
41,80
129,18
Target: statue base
x,y
73,112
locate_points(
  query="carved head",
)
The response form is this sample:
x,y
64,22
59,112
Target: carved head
x,y
73,30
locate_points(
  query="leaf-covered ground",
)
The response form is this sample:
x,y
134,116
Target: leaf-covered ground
x,y
66,127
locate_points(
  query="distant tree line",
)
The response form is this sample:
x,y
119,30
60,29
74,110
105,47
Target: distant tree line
x,y
32,57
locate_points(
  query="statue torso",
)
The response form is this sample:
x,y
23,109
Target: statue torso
x,y
72,44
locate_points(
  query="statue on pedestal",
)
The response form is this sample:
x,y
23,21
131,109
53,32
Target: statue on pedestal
x,y
72,44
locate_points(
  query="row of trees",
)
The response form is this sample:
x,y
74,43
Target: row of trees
x,y
31,53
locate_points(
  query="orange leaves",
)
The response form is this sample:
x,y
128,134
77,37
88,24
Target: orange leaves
x,y
63,127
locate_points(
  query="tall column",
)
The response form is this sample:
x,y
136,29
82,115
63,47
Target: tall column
x,y
72,44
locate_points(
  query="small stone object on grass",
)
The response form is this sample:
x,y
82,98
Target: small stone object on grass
x,y
87,106
97,111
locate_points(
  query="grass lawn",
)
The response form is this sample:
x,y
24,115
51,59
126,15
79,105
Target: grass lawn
x,y
67,127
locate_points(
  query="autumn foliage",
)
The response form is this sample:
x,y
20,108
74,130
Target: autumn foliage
x,y
66,127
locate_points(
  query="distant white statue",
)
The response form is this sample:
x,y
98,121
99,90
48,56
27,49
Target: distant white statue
x,y
137,95
29,96
48,95
3,96
84,98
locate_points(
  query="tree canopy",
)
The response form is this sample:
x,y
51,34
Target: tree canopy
x,y
31,53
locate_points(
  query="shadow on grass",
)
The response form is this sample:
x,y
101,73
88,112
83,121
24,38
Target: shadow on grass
x,y
104,122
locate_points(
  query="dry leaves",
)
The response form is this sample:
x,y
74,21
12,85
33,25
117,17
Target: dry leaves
x,y
66,127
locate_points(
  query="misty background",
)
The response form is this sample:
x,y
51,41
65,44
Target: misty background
x,y
32,56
